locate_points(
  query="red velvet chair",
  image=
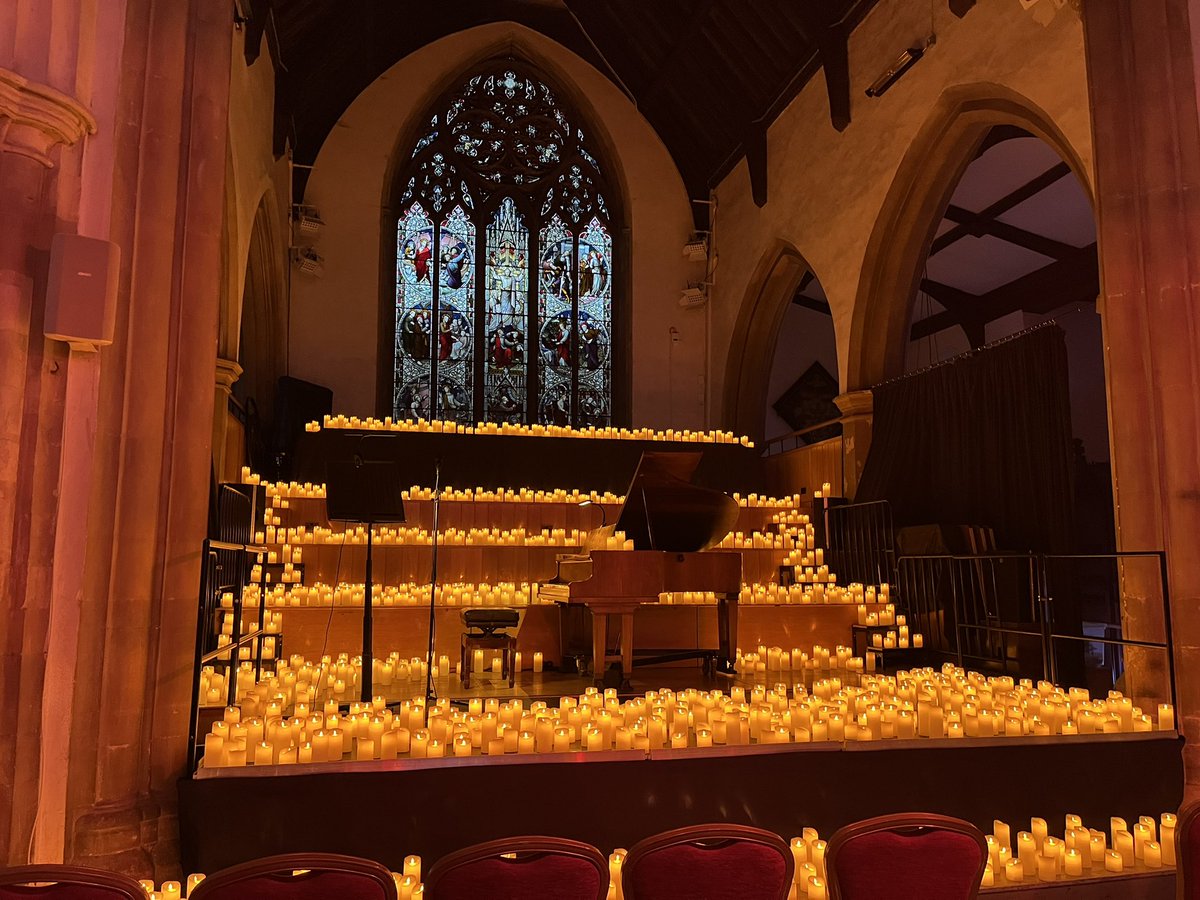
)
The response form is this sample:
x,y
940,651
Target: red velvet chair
x,y
1187,853
904,856
67,883
716,862
300,876
519,868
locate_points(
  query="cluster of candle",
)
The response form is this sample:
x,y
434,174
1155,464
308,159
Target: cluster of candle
x,y
442,426
408,884
950,703
1040,856
410,594
462,537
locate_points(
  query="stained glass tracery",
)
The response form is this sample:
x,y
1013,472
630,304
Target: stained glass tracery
x,y
504,261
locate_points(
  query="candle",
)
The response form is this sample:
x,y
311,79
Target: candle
x,y
537,661
192,881
1112,861
1027,852
1073,863
1014,871
1123,844
1152,855
1047,867
816,888
412,866
525,742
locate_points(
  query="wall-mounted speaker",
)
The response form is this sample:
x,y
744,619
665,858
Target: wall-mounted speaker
x,y
81,292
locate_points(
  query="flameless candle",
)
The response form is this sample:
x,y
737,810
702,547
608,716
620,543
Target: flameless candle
x,y
1014,871
537,661
1112,861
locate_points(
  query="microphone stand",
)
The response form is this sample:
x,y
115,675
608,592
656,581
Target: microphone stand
x,y
430,693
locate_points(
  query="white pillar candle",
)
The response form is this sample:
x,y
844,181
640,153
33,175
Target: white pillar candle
x,y
1112,861
1014,871
537,661
1073,863
1152,855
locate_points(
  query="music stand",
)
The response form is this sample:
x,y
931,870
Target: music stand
x,y
366,491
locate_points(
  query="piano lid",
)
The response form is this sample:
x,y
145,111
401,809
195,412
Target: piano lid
x,y
664,511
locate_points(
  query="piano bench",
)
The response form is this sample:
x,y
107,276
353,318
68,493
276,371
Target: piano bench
x,y
478,640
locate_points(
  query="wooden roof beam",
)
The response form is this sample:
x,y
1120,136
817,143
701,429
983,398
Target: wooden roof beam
x,y
978,226
1004,204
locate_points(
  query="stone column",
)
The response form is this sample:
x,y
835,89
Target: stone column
x,y
1147,142
228,372
36,123
858,408
154,437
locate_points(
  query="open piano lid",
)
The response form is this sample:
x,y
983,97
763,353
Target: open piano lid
x,y
664,511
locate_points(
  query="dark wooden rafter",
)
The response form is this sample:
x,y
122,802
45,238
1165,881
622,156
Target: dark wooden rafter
x,y
961,7
1073,279
1001,206
802,300
978,225
826,25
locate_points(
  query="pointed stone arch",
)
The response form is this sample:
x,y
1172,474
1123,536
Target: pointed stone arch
x,y
751,347
908,220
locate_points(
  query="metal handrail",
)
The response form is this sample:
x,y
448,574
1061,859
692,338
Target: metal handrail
x,y
794,436
1042,606
242,641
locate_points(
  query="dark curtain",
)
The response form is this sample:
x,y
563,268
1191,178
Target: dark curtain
x,y
985,440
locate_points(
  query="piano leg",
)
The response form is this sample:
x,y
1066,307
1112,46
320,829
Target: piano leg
x,y
626,648
727,627
599,646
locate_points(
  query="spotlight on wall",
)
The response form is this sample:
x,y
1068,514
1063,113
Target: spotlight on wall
x,y
694,296
308,261
696,249
896,70
308,220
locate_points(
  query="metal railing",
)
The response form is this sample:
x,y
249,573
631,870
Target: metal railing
x,y
861,542
797,439
1053,616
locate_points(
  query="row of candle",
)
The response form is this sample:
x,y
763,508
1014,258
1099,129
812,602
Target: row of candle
x,y
384,535
281,595
408,594
1038,855
292,490
442,426
951,704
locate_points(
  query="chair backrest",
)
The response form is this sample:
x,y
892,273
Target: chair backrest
x,y
1187,852
906,855
718,862
518,868
300,876
67,883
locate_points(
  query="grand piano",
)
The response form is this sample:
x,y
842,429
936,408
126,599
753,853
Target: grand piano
x,y
672,524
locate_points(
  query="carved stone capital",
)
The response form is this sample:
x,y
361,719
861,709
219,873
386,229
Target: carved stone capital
x,y
35,118
228,372
855,404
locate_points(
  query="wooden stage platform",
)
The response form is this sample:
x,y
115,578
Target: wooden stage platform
x,y
383,810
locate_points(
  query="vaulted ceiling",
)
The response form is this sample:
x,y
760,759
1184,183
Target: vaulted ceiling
x,y
709,75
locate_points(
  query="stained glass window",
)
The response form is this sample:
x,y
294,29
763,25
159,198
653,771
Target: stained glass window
x,y
504,261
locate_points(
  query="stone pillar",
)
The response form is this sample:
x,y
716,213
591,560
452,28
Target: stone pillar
x,y
154,437
858,408
224,425
1147,143
36,123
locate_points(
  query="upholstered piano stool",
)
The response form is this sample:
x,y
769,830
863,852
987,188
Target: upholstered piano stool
x,y
488,629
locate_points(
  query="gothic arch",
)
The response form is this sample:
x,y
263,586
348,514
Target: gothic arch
x,y
526,56
751,347
262,338
908,220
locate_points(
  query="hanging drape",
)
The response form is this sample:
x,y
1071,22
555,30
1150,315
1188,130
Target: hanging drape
x,y
984,440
